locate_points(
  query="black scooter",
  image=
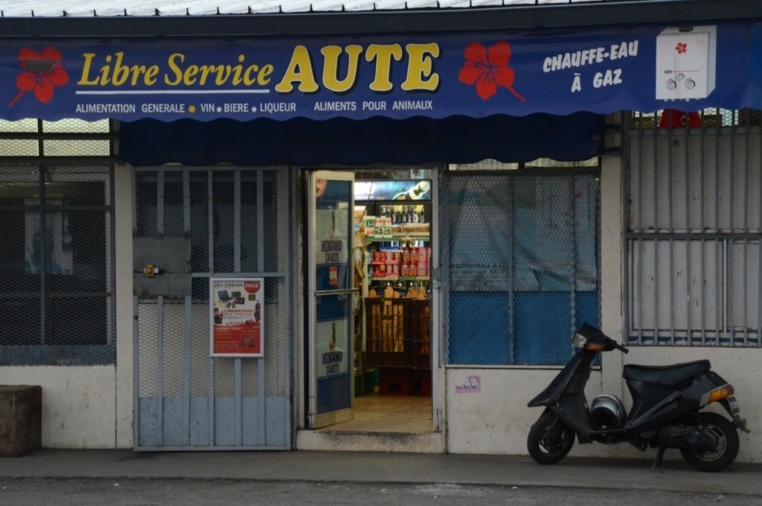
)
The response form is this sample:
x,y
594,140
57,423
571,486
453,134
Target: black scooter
x,y
665,413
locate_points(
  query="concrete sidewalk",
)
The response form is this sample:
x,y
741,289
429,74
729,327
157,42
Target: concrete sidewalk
x,y
357,467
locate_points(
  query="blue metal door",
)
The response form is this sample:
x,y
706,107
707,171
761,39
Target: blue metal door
x,y
191,225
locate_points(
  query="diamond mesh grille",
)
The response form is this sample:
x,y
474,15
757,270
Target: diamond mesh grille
x,y
523,267
57,268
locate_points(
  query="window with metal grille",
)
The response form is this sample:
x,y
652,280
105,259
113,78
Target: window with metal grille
x,y
56,258
522,262
693,273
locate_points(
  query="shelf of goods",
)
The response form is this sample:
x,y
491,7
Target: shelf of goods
x,y
410,263
397,325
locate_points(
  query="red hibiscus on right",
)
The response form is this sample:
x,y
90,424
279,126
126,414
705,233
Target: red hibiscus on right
x,y
488,69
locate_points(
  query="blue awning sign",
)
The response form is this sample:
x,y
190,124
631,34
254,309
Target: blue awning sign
x,y
474,75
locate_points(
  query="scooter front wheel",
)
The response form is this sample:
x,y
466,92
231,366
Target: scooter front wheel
x,y
725,450
549,439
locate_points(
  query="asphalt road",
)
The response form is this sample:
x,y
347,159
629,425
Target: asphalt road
x,y
186,492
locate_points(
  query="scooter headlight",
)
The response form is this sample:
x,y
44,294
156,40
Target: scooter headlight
x,y
578,340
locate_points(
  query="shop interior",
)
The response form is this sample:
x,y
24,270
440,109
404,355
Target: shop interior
x,y
392,315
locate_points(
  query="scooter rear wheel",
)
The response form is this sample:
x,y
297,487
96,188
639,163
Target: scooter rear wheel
x,y
725,451
549,439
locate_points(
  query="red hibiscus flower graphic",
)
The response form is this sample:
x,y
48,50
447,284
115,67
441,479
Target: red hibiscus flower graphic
x,y
42,73
488,69
681,47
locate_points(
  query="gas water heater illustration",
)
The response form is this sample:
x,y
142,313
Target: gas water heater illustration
x,y
686,63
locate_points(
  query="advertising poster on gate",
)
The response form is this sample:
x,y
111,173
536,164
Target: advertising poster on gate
x,y
237,317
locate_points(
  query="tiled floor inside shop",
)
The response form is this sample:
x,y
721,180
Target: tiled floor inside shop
x,y
388,413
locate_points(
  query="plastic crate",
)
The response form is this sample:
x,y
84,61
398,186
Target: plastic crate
x,y
420,334
387,336
421,382
395,381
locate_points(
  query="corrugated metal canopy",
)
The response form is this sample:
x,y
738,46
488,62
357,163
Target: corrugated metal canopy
x,y
28,8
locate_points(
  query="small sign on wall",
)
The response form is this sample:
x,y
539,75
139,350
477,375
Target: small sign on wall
x,y
472,385
237,317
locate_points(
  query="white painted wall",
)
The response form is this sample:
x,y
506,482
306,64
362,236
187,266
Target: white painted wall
x,y
496,420
77,403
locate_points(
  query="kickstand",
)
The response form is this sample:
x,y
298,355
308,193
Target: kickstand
x,y
659,458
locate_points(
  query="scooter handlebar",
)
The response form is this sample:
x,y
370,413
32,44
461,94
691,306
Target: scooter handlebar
x,y
589,333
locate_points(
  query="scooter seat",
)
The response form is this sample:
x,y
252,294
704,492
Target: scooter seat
x,y
667,376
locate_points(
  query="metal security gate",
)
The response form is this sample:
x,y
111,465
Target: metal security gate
x,y
694,228
190,225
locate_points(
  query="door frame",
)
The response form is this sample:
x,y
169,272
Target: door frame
x,y
438,378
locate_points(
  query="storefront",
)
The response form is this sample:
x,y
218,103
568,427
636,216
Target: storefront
x,y
363,214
